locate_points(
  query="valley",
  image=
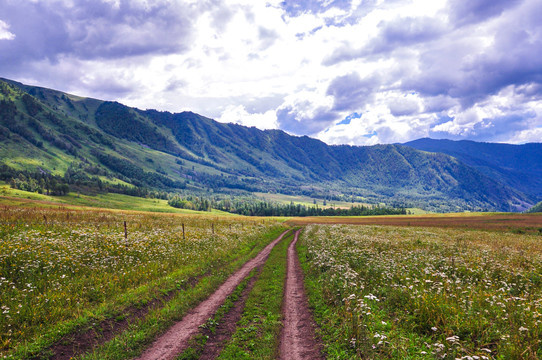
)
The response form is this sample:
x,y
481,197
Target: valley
x,y
55,142
126,235
270,180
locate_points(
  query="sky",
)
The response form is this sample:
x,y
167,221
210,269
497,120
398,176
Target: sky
x,y
357,72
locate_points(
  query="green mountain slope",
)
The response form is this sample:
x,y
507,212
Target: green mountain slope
x,y
518,166
100,142
536,208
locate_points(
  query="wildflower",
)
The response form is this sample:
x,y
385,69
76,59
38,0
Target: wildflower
x,y
453,339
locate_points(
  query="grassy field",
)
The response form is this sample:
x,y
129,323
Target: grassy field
x,y
512,222
444,286
307,201
9,196
387,292
62,269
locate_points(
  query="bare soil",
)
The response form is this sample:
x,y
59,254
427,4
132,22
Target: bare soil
x,y
224,331
298,339
177,338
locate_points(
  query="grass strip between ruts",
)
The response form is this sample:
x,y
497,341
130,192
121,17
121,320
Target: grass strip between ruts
x,y
197,344
257,335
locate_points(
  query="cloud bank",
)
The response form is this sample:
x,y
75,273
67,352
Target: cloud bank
x,y
348,71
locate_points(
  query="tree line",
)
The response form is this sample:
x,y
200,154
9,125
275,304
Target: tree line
x,y
252,207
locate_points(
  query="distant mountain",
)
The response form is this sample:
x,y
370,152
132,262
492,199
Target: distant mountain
x,y
94,144
517,166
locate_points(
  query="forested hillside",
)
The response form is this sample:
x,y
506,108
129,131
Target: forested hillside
x,y
95,145
518,166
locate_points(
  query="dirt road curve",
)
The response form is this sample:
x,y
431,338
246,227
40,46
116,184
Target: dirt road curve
x,y
175,340
298,338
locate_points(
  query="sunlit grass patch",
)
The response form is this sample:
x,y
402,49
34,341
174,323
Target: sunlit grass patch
x,y
9,196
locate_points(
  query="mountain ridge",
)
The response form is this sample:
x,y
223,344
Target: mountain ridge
x,y
516,165
116,144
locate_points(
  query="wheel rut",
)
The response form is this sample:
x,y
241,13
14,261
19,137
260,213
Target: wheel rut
x,y
298,338
217,340
177,338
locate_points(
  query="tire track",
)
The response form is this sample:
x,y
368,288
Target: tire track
x,y
176,339
228,324
298,340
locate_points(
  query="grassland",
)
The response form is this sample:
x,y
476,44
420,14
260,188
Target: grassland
x,y
391,292
63,270
448,286
9,196
307,201
511,222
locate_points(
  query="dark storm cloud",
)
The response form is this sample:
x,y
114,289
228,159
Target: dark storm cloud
x,y
289,120
494,129
402,107
465,73
405,32
393,35
92,30
175,84
259,105
111,87
351,92
473,11
437,104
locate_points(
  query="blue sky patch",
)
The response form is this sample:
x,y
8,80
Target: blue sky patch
x,y
347,120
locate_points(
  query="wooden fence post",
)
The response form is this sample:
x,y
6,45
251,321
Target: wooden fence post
x,y
125,235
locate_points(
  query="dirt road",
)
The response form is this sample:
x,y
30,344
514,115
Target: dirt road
x,y
176,339
298,339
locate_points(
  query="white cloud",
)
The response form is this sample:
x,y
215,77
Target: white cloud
x,y
239,115
4,32
527,136
411,68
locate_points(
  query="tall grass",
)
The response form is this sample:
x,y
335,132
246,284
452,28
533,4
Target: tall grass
x,y
385,292
58,265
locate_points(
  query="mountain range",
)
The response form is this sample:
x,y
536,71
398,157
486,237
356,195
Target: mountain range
x,y
94,144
